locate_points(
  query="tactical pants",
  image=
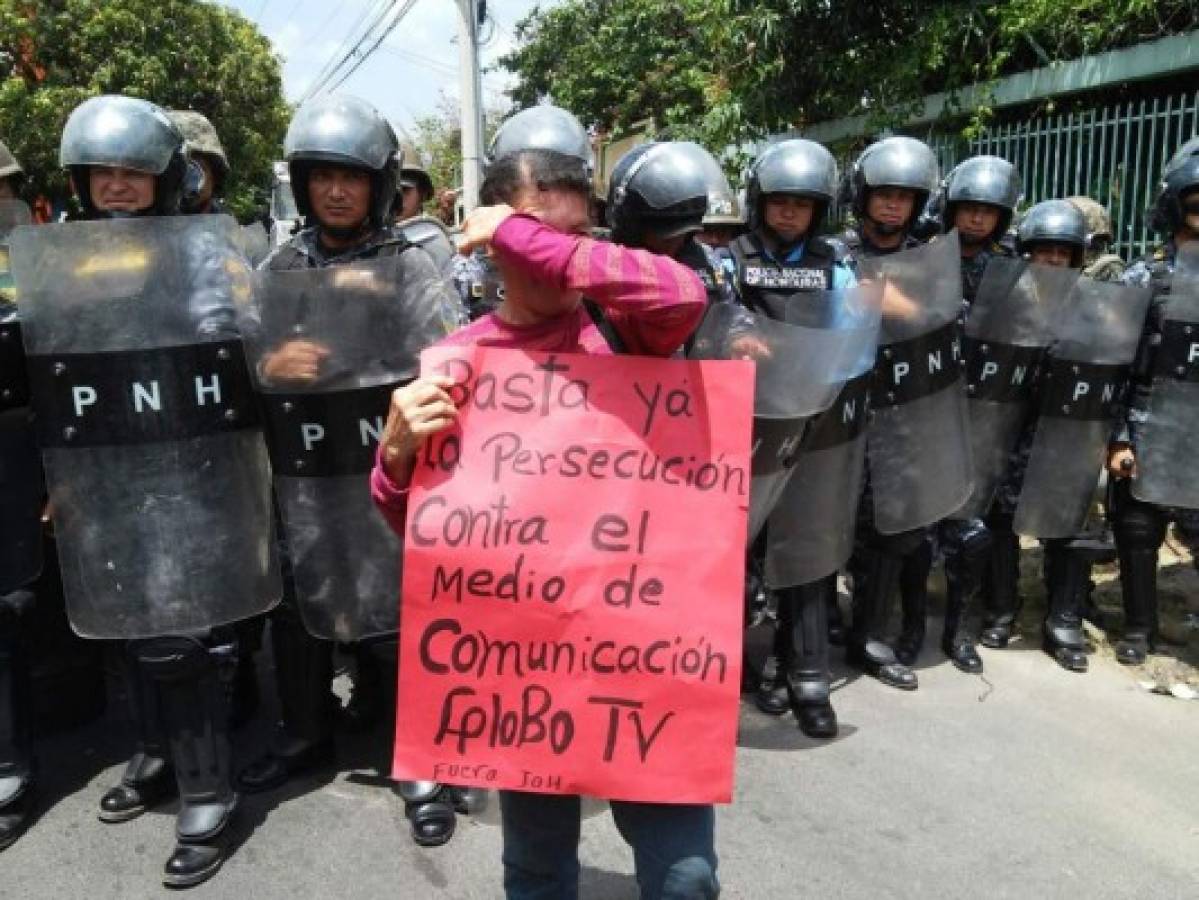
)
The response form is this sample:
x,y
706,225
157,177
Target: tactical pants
x,y
1140,530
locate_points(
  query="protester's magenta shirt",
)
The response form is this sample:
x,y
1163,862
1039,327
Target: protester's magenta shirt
x,y
652,301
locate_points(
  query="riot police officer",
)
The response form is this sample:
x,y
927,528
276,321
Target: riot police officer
x,y
1101,263
1140,526
1052,233
542,127
126,161
20,537
344,163
208,167
887,188
789,190
657,199
415,187
978,199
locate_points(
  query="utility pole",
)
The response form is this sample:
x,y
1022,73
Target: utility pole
x,y
471,89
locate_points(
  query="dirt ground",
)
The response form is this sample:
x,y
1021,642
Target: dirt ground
x,y
1174,669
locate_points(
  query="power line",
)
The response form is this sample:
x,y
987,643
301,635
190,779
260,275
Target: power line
x,y
335,63
375,46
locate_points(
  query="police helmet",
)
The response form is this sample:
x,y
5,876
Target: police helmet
x,y
543,127
128,133
898,162
344,131
1057,222
983,179
798,167
1181,177
660,189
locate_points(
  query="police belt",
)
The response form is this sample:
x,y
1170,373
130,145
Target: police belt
x,y
845,420
913,369
141,396
324,435
1085,392
1000,373
1177,356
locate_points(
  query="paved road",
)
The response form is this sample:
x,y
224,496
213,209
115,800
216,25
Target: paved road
x,y
1035,782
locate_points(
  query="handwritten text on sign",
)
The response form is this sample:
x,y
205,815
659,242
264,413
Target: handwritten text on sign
x,y
574,550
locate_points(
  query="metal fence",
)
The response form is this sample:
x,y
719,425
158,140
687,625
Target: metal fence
x,y
1114,154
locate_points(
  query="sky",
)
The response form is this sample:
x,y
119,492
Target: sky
x,y
414,66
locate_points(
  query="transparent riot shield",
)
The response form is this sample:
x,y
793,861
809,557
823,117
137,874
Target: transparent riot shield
x,y
155,462
811,527
799,371
918,441
1166,439
364,325
1008,329
20,462
1080,387
256,243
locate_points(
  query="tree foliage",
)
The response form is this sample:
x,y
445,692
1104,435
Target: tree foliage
x,y
180,54
726,71
438,140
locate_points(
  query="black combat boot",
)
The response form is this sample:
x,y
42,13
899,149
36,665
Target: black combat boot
x,y
1138,577
303,739
808,686
1063,638
771,695
16,729
148,778
1002,594
913,602
866,648
430,808
196,685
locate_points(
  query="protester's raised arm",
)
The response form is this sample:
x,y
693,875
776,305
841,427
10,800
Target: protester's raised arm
x,y
654,301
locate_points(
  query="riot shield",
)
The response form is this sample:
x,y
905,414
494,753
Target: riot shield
x,y
20,462
918,441
1166,439
256,243
155,462
369,321
1008,329
1081,385
811,527
800,370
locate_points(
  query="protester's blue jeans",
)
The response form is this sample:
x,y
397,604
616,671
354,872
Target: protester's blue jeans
x,y
674,848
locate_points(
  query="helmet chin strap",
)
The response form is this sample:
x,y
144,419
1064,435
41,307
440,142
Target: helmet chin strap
x,y
784,247
972,241
345,234
885,229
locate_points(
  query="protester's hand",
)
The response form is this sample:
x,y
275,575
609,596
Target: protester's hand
x,y
418,411
1121,463
296,361
480,227
748,346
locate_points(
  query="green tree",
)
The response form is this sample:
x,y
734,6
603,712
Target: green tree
x,y
727,71
180,54
438,140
